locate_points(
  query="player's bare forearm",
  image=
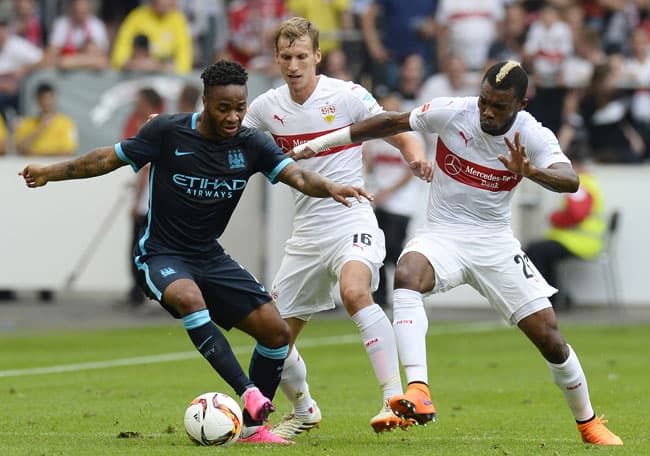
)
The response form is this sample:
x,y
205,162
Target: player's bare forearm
x,y
559,177
313,184
305,181
94,163
387,123
414,154
379,126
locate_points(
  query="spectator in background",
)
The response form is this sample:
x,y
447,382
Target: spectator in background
x,y
454,81
148,102
79,40
335,65
636,75
407,27
188,98
208,23
17,58
49,132
466,29
331,16
603,114
576,230
167,32
509,44
141,59
548,43
113,12
411,78
578,68
391,181
252,33
4,136
26,22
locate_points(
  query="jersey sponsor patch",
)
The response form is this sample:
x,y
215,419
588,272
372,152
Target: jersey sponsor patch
x,y
473,174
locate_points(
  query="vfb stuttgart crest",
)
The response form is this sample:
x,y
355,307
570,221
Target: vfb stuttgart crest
x,y
328,112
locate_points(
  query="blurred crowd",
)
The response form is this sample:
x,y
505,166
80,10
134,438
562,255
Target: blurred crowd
x,y
589,59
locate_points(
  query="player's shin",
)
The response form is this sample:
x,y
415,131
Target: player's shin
x,y
214,347
570,378
379,340
410,325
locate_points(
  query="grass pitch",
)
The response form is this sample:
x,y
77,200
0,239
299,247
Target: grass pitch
x,y
124,392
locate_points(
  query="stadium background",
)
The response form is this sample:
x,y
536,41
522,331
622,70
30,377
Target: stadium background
x,y
76,233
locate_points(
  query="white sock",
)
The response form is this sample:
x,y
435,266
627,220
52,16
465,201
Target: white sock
x,y
571,379
379,340
411,324
294,382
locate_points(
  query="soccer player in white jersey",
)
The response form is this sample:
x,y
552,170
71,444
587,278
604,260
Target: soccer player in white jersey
x,y
486,146
328,244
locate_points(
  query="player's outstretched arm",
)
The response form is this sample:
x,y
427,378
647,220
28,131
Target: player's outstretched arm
x,y
387,123
313,184
94,163
559,177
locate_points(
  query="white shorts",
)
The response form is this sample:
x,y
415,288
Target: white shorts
x,y
311,267
491,262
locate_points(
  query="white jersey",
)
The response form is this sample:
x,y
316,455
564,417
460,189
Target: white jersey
x,y
470,186
333,105
388,168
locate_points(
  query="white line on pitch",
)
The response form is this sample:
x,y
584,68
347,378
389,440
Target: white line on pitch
x,y
180,356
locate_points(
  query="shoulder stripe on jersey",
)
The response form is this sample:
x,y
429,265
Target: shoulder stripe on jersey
x,y
195,118
273,175
120,153
473,174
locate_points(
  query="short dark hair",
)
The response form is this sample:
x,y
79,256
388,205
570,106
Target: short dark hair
x,y
44,87
508,75
141,41
223,72
152,97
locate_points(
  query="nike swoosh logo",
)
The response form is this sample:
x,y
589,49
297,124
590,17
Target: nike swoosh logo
x,y
178,153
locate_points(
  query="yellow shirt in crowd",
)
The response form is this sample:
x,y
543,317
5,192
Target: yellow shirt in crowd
x,y
58,138
169,38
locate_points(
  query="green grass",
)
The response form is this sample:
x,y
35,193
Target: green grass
x,y
493,393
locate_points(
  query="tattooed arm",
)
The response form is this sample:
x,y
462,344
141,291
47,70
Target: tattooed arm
x,y
94,163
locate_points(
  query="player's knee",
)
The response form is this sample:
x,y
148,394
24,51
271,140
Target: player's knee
x,y
184,300
355,298
278,334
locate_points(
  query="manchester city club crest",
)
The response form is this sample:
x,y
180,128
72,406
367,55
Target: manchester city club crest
x,y
236,159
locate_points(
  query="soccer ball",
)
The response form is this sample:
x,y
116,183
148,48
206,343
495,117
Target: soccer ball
x,y
213,419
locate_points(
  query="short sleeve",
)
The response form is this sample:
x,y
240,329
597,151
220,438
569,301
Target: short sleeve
x,y
145,146
271,158
432,116
543,147
362,104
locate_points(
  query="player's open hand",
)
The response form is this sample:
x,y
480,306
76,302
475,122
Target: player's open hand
x,y
34,175
301,152
422,169
341,193
517,161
